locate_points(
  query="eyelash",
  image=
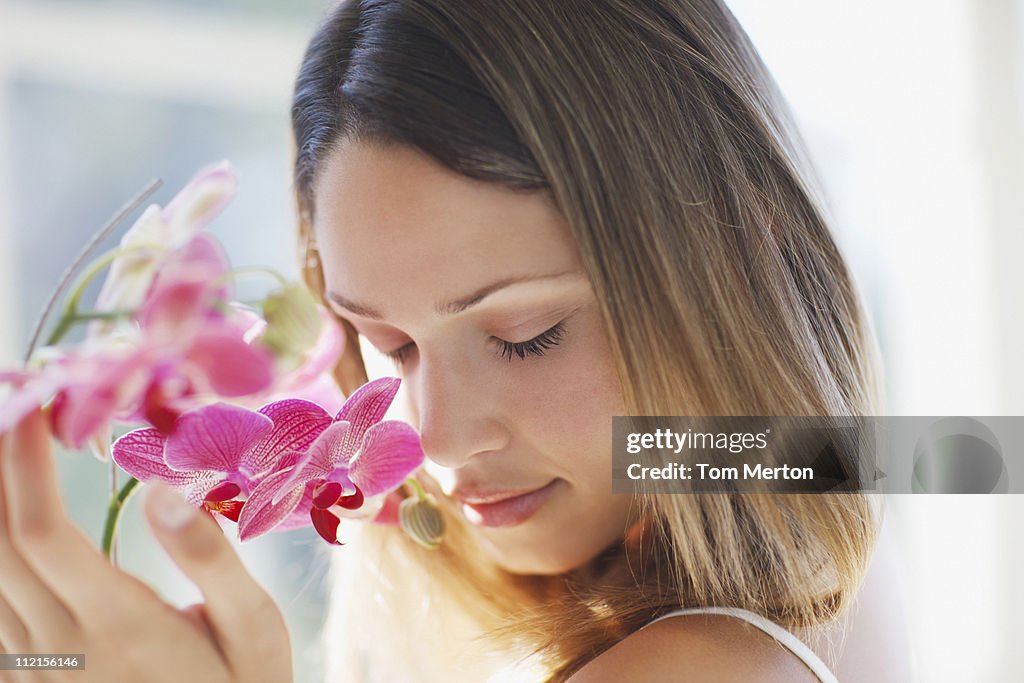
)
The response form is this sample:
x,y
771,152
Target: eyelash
x,y
536,346
533,347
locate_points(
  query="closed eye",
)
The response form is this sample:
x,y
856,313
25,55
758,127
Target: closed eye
x,y
533,347
536,346
401,354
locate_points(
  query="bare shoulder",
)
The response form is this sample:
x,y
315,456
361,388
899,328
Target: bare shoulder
x,y
697,647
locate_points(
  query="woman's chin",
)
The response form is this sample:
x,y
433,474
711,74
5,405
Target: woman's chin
x,y
556,540
526,553
531,562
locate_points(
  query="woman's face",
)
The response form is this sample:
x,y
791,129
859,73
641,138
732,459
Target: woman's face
x,y
477,292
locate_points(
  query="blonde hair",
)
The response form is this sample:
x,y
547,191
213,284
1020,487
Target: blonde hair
x,y
658,133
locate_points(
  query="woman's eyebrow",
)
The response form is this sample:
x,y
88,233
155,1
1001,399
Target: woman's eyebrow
x,y
451,307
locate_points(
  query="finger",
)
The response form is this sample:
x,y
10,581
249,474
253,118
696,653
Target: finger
x,y
13,635
62,558
33,609
12,631
239,612
35,500
196,616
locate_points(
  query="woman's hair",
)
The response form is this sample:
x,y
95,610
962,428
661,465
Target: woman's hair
x,y
661,138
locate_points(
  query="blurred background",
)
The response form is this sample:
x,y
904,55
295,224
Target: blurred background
x,y
914,115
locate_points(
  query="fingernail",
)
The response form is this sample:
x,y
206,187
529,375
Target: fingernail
x,y
170,509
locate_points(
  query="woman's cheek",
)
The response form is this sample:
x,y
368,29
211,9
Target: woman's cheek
x,y
566,398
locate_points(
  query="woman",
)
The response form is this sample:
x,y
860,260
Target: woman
x,y
610,194
547,213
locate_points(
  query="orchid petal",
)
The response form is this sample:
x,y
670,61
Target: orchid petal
x,y
388,513
326,524
215,437
369,401
327,452
141,454
183,303
261,513
174,310
203,253
299,517
324,354
366,407
165,399
197,491
186,289
131,273
297,423
156,232
322,390
225,490
230,365
30,393
353,501
99,443
202,256
327,494
100,388
205,196
322,456
284,462
15,376
390,452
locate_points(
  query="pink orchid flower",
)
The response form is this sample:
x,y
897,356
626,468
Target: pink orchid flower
x,y
218,453
195,342
28,391
159,231
188,343
360,455
178,340
91,388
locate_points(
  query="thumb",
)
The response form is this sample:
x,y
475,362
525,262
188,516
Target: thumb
x,y
195,614
239,612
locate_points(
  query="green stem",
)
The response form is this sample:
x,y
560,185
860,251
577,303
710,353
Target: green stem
x,y
71,316
114,513
232,274
63,326
69,320
94,241
102,315
101,264
417,488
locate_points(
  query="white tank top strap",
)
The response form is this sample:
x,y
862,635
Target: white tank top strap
x,y
784,637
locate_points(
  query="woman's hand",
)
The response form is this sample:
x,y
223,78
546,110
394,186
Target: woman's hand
x,y
59,594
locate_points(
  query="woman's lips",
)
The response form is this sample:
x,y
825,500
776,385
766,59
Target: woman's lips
x,y
506,511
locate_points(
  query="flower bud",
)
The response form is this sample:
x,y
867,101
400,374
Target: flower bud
x,y
421,520
293,321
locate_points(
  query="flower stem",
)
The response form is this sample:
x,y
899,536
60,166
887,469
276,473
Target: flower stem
x,y
253,270
115,547
114,513
70,317
417,488
65,323
86,316
86,252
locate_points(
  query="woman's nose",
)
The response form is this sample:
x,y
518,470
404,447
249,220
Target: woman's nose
x,y
455,418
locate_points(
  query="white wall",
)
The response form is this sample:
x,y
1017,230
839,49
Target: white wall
x,y
913,112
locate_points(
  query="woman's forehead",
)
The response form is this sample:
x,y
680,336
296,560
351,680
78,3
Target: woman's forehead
x,y
393,213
